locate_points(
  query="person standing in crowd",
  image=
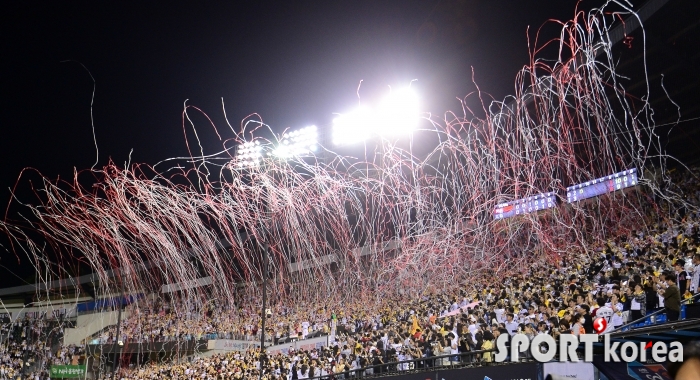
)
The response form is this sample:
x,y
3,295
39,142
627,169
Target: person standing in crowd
x,y
639,303
577,328
466,341
618,308
487,344
683,279
510,324
606,313
500,312
695,281
672,298
454,346
444,349
588,319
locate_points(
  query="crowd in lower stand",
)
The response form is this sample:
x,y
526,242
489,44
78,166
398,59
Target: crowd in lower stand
x,y
626,278
28,347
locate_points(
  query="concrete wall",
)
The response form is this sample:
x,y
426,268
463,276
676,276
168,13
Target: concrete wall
x,y
89,324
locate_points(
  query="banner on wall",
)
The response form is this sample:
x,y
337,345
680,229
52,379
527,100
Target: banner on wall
x,y
569,370
641,371
242,345
631,371
67,371
231,345
305,344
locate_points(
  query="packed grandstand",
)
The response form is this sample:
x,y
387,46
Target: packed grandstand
x,y
408,265
625,273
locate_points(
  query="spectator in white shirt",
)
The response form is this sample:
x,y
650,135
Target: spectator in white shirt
x,y
695,281
511,325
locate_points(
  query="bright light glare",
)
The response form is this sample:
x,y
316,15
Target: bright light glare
x,y
353,127
249,154
397,114
297,143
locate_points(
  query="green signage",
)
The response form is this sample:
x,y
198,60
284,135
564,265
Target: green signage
x,y
67,371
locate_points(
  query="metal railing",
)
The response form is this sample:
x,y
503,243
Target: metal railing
x,y
629,325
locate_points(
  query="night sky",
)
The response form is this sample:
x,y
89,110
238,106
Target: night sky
x,y
294,62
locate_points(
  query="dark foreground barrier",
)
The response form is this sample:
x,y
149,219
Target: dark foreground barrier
x,y
448,367
509,371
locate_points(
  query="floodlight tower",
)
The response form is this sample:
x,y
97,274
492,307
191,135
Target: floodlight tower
x,y
249,154
294,144
397,114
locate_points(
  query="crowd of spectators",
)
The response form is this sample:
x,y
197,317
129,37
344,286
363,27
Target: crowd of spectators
x,y
625,278
158,324
163,324
28,347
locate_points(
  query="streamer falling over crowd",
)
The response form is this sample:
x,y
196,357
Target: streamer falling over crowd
x,y
570,121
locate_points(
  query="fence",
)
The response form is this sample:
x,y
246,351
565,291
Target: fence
x,y
654,317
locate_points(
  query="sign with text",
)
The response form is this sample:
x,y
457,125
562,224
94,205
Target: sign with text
x,y
543,348
603,185
304,344
231,345
569,370
68,371
631,371
524,206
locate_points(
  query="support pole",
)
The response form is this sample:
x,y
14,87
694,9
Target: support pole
x,y
264,306
116,338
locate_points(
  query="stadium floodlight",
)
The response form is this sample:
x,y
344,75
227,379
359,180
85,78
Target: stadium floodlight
x,y
396,114
249,154
297,143
353,127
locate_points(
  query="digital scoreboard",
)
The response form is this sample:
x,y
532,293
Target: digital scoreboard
x,y
600,186
525,205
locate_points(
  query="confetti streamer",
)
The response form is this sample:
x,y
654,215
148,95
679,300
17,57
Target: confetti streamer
x,y
339,229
